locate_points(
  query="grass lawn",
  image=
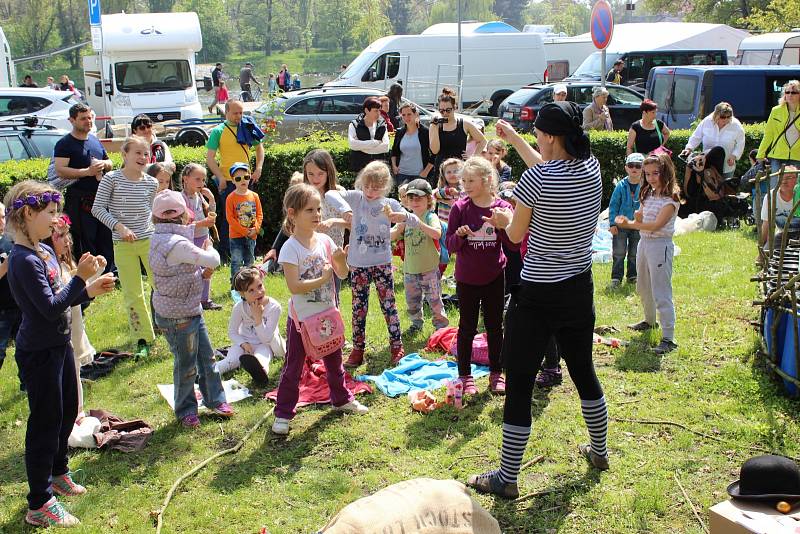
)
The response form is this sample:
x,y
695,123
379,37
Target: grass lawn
x,y
711,384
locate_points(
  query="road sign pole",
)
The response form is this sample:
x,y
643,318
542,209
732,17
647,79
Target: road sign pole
x,y
603,68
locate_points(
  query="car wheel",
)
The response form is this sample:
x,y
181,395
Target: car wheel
x,y
191,137
497,99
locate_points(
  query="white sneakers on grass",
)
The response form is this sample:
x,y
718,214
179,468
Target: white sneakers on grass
x,y
281,426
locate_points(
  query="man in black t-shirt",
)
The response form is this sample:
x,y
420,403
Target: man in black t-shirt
x,y
216,78
79,156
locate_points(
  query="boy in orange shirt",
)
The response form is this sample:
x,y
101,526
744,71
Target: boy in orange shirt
x,y
243,212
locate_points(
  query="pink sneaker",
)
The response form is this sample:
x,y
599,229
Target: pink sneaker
x,y
497,383
190,421
469,385
223,410
397,354
64,485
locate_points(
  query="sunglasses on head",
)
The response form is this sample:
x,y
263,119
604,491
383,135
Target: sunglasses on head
x,y
445,110
241,178
634,165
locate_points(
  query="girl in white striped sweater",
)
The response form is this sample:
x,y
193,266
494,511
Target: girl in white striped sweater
x,y
123,203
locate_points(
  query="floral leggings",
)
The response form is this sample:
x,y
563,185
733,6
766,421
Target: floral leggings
x,y
360,280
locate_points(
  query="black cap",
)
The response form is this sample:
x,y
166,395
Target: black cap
x,y
419,187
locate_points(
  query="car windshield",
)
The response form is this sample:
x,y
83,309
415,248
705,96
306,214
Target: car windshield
x,y
521,97
358,65
590,68
156,75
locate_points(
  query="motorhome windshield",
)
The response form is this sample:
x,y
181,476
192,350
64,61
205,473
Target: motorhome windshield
x,y
358,65
155,75
591,65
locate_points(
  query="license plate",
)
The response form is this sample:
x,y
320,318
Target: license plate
x,y
508,115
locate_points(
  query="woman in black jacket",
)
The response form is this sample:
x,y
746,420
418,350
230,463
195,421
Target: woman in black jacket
x,y
368,136
411,154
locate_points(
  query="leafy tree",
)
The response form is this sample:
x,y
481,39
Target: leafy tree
x,y
217,31
372,24
778,16
719,11
335,18
34,28
511,11
73,29
566,16
447,10
399,14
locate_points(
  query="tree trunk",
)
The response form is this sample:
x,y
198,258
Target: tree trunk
x,y
268,51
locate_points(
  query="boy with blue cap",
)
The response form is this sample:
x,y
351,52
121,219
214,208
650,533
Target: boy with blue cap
x,y
625,201
244,215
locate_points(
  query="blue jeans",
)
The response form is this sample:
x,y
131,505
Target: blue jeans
x,y
193,354
243,254
9,322
624,244
402,179
222,224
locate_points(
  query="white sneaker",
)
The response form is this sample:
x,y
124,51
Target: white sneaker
x,y
280,426
352,407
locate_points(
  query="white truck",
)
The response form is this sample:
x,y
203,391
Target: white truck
x,y
497,59
8,73
146,65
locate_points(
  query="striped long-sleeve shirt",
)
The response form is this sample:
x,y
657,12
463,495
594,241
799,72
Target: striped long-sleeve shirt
x,y
130,202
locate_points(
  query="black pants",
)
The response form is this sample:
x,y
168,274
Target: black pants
x,y
49,378
537,312
88,233
513,268
471,301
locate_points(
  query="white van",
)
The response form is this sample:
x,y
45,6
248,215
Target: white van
x,y
497,60
147,64
770,49
8,73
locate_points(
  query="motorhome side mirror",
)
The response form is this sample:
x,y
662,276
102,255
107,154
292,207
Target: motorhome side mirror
x,y
109,88
98,88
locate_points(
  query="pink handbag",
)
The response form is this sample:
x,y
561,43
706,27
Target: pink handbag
x,y
322,333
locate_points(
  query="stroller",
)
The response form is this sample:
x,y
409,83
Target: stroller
x,y
705,189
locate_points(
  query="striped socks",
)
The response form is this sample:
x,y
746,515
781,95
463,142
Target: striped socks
x,y
595,414
515,439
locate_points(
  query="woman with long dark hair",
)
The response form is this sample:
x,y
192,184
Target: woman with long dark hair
x,y
449,134
558,201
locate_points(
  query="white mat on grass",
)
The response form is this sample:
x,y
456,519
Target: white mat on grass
x,y
234,392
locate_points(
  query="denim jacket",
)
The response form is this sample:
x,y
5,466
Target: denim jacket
x,y
621,201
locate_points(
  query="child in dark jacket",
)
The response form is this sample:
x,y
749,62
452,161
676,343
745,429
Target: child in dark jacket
x,y
9,312
625,201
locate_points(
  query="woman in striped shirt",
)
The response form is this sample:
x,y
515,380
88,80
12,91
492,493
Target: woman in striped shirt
x,y
558,201
123,203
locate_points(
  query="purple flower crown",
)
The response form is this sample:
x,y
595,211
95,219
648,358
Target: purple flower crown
x,y
42,199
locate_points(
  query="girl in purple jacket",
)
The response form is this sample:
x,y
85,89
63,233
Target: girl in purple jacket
x,y
480,262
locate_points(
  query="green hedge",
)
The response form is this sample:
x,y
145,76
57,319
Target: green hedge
x,y
283,159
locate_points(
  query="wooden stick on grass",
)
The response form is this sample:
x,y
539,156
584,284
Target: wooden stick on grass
x,y
691,505
201,465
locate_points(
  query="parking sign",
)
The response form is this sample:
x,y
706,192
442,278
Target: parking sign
x,y
94,12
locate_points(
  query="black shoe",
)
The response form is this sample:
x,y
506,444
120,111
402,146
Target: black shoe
x,y
211,305
642,326
251,364
666,345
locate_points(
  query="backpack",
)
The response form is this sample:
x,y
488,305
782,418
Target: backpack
x,y
54,179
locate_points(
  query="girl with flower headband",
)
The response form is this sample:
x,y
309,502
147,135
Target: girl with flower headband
x,y
83,352
43,348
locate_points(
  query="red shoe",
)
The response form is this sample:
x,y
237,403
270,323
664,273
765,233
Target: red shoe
x,y
356,358
397,354
497,384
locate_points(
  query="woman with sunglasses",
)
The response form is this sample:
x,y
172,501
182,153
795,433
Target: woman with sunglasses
x,y
142,126
720,129
781,141
448,134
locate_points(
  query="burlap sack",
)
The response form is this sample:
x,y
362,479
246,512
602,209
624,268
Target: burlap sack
x,y
421,505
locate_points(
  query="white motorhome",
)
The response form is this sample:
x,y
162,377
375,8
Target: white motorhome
x,y
497,59
8,73
146,65
565,54
770,49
